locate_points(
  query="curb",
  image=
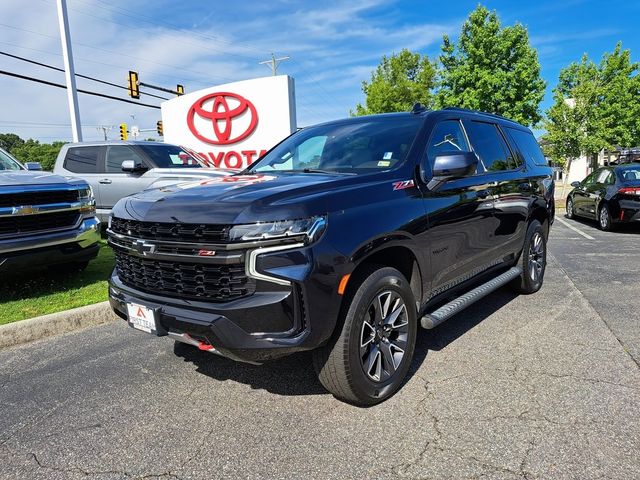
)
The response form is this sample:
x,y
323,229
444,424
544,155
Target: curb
x,y
24,331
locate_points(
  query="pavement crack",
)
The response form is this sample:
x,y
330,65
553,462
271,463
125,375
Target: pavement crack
x,y
90,473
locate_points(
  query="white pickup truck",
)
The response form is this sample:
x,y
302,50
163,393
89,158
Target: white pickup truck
x,y
116,169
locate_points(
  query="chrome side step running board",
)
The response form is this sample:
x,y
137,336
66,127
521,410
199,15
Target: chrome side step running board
x,y
445,312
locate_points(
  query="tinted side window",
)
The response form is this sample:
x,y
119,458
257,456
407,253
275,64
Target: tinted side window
x,y
118,154
528,146
604,176
490,147
82,159
590,179
447,136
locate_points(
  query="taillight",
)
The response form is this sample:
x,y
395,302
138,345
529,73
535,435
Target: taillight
x,y
630,190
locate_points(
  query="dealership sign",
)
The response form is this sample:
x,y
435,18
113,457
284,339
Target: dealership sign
x,y
232,125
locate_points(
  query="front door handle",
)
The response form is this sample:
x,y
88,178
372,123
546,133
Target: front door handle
x,y
105,181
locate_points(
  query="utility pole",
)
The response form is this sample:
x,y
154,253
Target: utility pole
x,y
105,129
69,72
274,62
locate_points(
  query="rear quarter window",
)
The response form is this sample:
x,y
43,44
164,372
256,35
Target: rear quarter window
x,y
528,146
82,159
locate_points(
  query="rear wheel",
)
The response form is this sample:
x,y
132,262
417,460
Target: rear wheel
x,y
369,355
604,218
533,260
570,212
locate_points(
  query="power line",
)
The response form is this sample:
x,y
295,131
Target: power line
x,y
77,74
190,79
87,92
140,59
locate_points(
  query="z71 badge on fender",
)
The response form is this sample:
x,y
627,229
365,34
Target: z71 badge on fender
x,y
402,185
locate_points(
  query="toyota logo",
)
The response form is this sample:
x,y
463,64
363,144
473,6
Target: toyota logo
x,y
222,118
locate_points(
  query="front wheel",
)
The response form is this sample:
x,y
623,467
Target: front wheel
x,y
369,355
533,260
570,213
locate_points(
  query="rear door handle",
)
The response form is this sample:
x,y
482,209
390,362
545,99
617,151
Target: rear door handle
x,y
105,181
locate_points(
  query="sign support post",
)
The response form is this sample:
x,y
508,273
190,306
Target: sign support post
x,y
69,71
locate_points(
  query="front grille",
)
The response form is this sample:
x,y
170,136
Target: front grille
x,y
38,198
173,232
31,224
198,281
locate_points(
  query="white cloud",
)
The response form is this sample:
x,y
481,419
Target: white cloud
x,y
333,48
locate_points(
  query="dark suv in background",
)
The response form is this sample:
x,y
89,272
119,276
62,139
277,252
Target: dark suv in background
x,y
342,239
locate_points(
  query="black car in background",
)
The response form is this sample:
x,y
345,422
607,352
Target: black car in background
x,y
610,195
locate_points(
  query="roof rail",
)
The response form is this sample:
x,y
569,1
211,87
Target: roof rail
x,y
467,110
418,108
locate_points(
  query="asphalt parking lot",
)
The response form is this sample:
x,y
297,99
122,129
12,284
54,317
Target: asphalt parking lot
x,y
541,386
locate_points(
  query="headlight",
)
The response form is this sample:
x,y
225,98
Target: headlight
x,y
86,193
310,228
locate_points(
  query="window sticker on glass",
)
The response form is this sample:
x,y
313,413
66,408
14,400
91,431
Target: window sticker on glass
x,y
388,156
384,163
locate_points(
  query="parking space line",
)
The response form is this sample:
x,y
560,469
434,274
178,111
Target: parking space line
x,y
577,230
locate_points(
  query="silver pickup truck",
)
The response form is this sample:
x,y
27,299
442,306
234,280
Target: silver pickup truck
x,y
45,219
117,169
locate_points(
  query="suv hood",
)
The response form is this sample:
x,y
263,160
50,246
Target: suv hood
x,y
234,199
27,178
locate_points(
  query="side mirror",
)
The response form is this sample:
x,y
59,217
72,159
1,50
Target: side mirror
x,y
576,184
132,167
34,166
448,166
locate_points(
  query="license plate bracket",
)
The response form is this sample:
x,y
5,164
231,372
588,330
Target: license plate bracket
x,y
142,318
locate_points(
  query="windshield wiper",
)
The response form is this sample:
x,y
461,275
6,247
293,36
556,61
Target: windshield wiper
x,y
329,172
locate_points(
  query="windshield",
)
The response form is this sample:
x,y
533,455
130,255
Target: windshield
x,y
170,156
368,145
629,173
7,162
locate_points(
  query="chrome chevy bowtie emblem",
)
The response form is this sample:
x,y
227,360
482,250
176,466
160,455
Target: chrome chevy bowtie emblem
x,y
24,210
143,247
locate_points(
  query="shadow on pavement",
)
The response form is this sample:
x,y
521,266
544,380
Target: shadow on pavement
x,y
295,375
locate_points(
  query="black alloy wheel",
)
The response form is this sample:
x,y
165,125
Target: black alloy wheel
x,y
533,260
368,357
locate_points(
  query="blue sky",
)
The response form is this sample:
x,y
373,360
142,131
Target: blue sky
x,y
333,47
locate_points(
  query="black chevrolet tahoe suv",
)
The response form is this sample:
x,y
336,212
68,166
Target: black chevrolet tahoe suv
x,y
342,239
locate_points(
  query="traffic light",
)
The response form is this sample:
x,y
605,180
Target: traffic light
x,y
134,89
159,128
123,131
180,90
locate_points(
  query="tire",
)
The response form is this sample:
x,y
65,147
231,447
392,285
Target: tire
x,y
533,260
368,356
604,218
570,213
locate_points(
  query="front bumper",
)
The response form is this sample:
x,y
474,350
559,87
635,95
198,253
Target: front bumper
x,y
75,245
275,321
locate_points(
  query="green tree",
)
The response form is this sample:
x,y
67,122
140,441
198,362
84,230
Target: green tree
x,y
9,141
34,151
397,83
491,68
594,107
